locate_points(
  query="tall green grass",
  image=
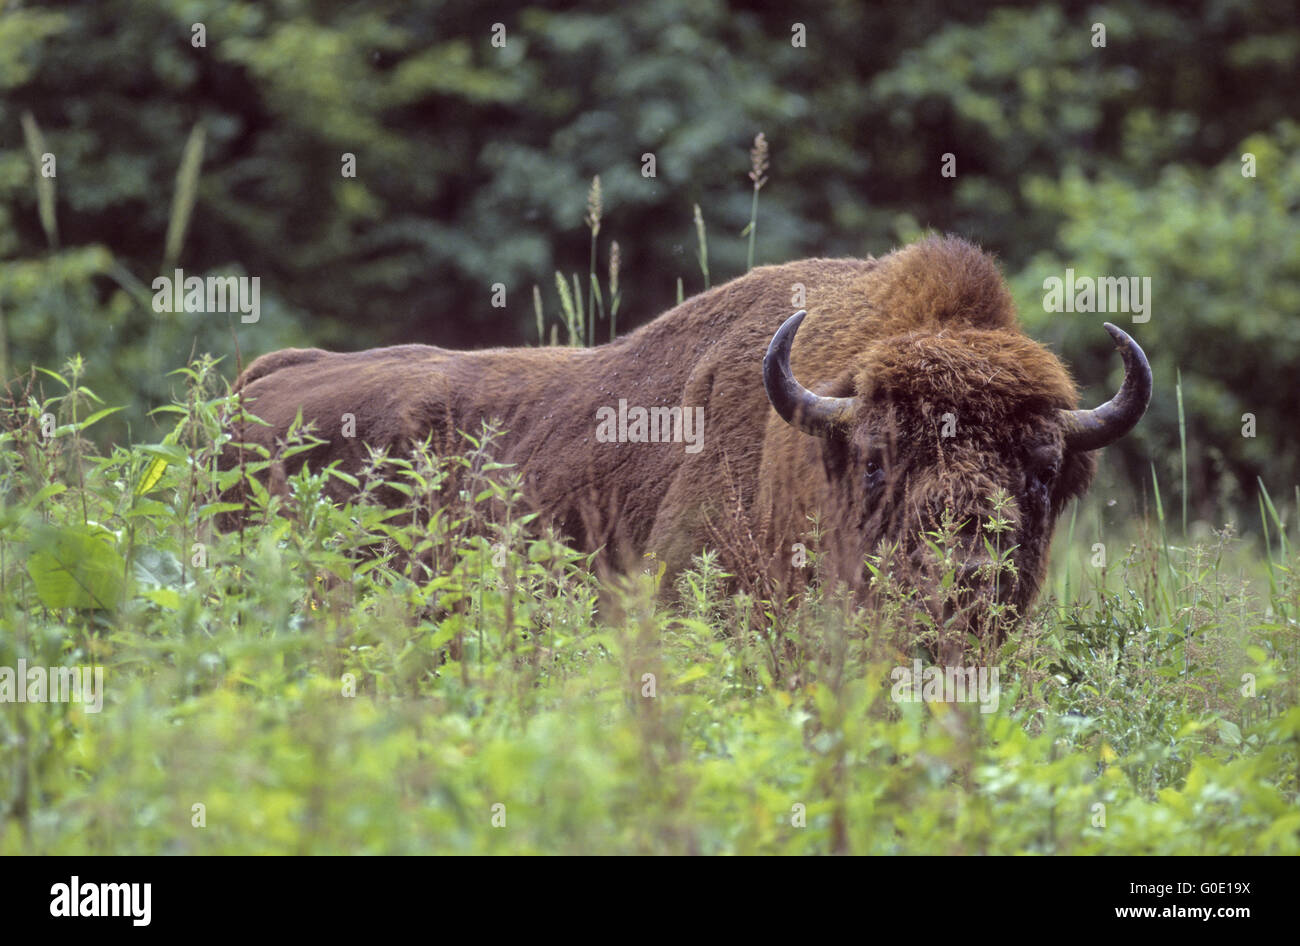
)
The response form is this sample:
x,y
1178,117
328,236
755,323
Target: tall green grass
x,y
758,176
579,320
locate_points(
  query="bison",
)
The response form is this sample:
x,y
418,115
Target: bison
x,y
901,398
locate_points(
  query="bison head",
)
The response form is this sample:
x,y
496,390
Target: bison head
x,y
963,437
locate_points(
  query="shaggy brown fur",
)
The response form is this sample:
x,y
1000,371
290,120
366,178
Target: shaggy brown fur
x,y
927,330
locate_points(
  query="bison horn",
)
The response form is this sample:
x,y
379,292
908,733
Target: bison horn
x,y
1094,429
799,407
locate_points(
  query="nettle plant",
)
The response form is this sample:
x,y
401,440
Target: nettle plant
x,y
947,616
131,536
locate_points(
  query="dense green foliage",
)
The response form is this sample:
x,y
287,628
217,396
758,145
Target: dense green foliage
x,y
311,700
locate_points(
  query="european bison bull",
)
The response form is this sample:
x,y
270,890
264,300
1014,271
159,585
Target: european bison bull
x,y
908,394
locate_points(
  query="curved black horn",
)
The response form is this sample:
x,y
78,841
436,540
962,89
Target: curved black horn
x,y
798,406
1101,426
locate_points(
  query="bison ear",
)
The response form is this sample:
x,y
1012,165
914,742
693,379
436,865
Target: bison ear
x,y
837,445
1077,471
841,388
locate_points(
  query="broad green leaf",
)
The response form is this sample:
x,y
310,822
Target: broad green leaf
x,y
167,598
74,568
1229,732
156,568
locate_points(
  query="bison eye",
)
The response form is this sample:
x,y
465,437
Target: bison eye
x,y
875,474
1041,479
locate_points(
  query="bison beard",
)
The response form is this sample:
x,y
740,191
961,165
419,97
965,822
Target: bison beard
x,y
918,398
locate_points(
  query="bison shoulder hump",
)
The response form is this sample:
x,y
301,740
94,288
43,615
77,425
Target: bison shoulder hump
x,y
277,360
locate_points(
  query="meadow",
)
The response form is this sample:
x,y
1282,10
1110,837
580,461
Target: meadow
x,y
451,678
